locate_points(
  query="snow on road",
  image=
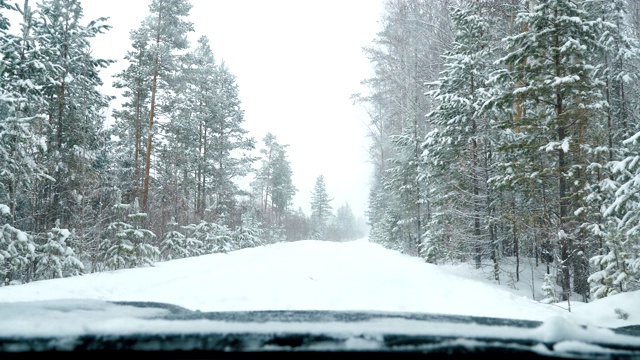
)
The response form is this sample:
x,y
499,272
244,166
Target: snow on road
x,y
303,275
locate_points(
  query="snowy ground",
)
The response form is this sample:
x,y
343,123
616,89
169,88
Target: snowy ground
x,y
317,275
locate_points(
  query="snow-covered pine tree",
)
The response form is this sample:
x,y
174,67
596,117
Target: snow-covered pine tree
x,y
25,71
116,251
206,146
193,236
549,290
550,77
219,238
128,245
273,187
214,238
128,129
229,148
57,258
282,184
612,248
192,246
177,245
619,268
17,252
405,55
173,243
146,252
166,28
320,209
74,135
620,265
458,152
184,156
249,234
345,223
380,214
404,180
202,84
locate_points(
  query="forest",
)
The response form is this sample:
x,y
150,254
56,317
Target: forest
x,y
84,190
505,131
501,131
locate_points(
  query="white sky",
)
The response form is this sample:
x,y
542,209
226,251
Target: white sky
x,y
296,64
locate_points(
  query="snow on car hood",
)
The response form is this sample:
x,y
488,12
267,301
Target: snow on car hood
x,y
65,320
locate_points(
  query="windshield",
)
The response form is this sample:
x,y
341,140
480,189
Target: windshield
x,y
473,158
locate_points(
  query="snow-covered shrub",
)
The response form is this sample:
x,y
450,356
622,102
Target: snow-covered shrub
x,y
129,245
549,290
617,271
17,251
248,234
177,245
209,238
57,258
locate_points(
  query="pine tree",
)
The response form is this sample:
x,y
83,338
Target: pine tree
x,y
57,258
75,112
145,251
404,175
177,246
620,270
173,244
343,225
128,128
381,216
553,86
249,233
206,147
405,56
273,186
320,209
167,30
296,226
549,290
25,71
128,244
219,238
458,150
17,252
618,273
229,147
282,184
213,237
194,237
608,194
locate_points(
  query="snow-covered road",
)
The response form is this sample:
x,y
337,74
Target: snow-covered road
x,y
303,275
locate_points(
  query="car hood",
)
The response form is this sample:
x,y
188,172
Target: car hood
x,y
75,326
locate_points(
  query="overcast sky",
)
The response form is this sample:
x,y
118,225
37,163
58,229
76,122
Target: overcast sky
x,y
296,63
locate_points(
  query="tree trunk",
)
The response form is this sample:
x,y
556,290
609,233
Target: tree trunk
x,y
136,152
203,197
516,250
477,231
199,171
490,213
152,110
145,191
565,241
